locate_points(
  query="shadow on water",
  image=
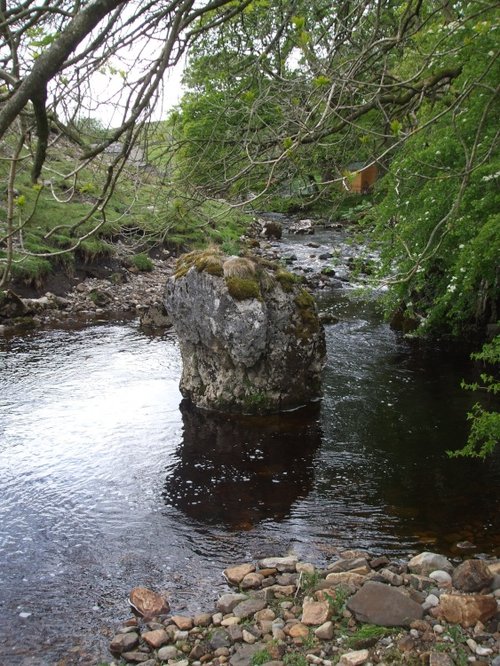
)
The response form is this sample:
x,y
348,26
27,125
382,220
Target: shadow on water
x,y
235,472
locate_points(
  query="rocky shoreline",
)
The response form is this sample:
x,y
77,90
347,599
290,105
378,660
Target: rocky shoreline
x,y
121,295
115,290
358,610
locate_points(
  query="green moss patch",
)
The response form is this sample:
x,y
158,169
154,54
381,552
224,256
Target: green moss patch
x,y
243,288
309,321
286,279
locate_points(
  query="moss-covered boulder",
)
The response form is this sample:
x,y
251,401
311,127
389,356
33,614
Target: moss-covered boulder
x,y
249,333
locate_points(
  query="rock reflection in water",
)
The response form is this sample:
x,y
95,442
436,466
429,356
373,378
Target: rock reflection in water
x,y
238,471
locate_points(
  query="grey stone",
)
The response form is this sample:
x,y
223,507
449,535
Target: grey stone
x,y
425,563
136,657
243,655
235,632
227,602
282,564
167,652
376,603
440,659
124,643
258,352
248,607
219,639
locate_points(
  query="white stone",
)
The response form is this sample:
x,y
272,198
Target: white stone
x,y
442,578
472,644
430,602
281,563
217,619
483,651
355,658
438,629
425,563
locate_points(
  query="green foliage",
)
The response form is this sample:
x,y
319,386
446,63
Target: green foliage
x,y
142,262
337,602
485,424
438,220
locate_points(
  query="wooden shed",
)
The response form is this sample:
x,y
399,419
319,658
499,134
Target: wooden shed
x,y
363,179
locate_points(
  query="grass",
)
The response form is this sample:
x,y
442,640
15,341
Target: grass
x,y
142,262
260,657
141,213
367,635
295,659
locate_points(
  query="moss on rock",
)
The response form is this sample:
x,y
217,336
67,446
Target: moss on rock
x,y
243,288
309,323
286,279
208,261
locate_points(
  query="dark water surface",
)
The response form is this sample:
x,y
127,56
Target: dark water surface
x,y
107,483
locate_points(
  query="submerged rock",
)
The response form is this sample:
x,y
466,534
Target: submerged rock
x,y
250,338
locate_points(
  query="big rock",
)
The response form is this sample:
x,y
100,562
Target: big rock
x,y
467,609
249,334
472,576
425,563
380,604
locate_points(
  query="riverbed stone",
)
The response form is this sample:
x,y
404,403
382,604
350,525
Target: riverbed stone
x,y
136,657
148,603
156,638
227,602
426,562
124,642
325,632
442,578
472,576
244,653
376,603
298,630
252,581
236,574
467,610
220,638
250,338
202,619
314,612
183,622
249,607
354,658
168,652
345,578
440,659
282,564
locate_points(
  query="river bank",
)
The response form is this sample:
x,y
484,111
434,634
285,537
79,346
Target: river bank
x,y
115,290
358,610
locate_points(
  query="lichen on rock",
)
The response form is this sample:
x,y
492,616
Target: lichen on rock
x,y
249,333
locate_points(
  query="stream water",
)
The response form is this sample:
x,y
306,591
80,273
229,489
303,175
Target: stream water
x,y
108,481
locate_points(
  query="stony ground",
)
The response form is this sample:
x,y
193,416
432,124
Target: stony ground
x,y
124,294
360,610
